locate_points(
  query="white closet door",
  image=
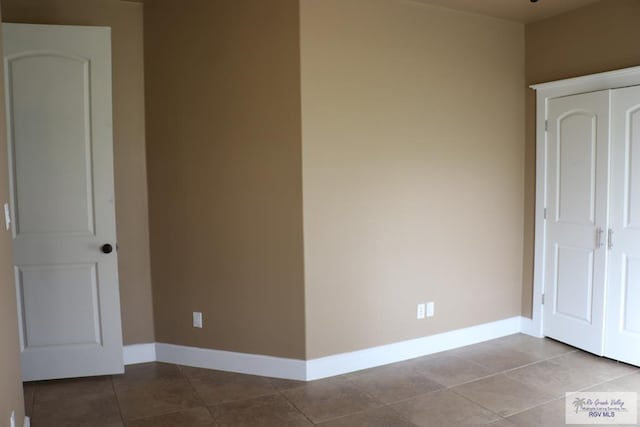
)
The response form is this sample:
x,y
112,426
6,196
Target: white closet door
x,y
622,339
578,138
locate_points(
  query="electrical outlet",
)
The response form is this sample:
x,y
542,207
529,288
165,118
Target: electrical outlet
x,y
430,309
197,319
12,420
421,311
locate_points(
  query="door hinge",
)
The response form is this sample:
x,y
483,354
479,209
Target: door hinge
x,y
546,125
542,299
610,239
545,213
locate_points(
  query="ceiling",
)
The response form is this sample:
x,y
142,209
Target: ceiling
x,y
513,10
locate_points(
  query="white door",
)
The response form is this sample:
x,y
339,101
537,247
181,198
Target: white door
x,y
578,143
622,338
58,96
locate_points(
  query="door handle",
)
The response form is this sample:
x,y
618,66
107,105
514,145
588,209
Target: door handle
x,y
599,233
106,248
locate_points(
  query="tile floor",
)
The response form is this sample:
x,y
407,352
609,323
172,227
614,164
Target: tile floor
x,y
516,381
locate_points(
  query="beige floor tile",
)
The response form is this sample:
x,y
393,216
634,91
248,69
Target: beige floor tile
x,y
495,357
282,384
600,369
72,388
158,398
396,382
266,411
330,398
451,370
551,414
626,383
503,395
379,417
444,409
88,411
196,417
29,390
159,394
146,374
502,423
554,377
218,387
541,348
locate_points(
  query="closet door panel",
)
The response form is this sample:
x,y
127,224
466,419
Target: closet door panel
x,y
622,339
630,143
576,164
578,139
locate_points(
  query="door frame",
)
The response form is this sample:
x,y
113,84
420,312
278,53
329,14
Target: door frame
x,y
544,92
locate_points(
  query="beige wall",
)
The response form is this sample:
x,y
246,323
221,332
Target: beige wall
x,y
600,37
126,21
413,159
10,371
223,146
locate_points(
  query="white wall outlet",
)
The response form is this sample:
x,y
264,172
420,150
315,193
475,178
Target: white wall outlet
x,y
430,309
12,420
197,319
421,310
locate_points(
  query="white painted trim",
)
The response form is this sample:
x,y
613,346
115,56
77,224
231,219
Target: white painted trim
x,y
397,352
139,353
27,422
544,92
244,363
540,223
591,83
323,367
527,327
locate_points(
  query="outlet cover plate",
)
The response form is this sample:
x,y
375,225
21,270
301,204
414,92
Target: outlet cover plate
x,y
430,309
197,319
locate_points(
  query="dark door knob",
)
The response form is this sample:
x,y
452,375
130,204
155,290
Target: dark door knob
x,y
107,248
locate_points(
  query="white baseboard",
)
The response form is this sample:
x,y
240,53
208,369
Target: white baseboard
x,y
254,364
139,353
397,352
528,328
323,367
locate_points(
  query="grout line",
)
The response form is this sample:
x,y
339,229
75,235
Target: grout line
x,y
480,405
164,413
115,394
401,415
281,393
193,388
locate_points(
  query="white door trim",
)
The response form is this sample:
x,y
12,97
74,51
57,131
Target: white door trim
x,y
545,91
